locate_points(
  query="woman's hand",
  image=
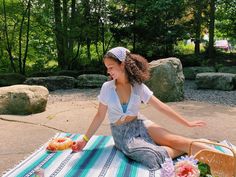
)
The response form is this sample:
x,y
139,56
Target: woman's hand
x,y
78,145
196,123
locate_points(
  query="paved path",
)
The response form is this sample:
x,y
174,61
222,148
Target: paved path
x,y
21,135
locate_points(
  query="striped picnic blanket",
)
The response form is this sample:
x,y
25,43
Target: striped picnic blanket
x,y
98,159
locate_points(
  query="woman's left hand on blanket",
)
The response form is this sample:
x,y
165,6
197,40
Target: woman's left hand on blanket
x,y
196,123
78,145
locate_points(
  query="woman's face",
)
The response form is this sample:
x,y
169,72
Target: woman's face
x,y
114,69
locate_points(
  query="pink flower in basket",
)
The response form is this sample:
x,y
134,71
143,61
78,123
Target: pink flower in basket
x,y
185,167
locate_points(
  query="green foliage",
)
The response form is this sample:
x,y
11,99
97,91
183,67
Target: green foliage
x,y
151,28
191,60
226,19
183,48
204,169
13,13
205,62
218,66
41,40
41,66
148,25
4,66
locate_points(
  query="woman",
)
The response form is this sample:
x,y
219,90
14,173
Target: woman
x,y
137,137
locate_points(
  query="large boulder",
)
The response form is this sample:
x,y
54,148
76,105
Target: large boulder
x,y
191,72
91,80
52,82
217,81
167,79
23,99
8,79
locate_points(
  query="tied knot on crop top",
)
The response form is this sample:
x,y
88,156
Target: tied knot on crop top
x,y
109,97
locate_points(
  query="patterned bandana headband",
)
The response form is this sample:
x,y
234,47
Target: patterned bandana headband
x,y
119,52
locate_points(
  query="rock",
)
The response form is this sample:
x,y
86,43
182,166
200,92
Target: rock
x,y
218,81
23,99
228,69
67,73
42,74
191,72
52,82
8,79
167,79
91,80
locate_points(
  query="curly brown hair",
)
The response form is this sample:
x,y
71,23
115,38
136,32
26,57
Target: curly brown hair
x,y
136,67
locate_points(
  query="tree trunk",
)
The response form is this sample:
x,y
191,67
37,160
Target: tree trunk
x,y
88,43
211,30
197,18
65,34
20,40
134,30
27,37
103,39
59,33
8,45
71,33
99,20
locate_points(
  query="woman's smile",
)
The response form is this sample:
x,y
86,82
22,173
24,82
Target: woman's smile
x,y
113,68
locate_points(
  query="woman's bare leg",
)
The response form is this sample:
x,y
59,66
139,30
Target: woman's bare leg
x,y
173,153
177,143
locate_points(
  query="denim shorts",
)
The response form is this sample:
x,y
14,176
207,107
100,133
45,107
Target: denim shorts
x,y
134,141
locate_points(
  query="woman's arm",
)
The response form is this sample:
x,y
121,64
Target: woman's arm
x,y
97,120
164,108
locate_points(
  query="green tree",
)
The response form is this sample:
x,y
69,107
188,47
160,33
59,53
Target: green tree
x,y
153,27
83,25
13,24
42,39
226,19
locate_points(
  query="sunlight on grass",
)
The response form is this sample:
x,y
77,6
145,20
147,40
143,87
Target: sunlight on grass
x,y
186,49
51,64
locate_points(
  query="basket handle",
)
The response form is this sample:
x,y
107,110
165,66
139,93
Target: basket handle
x,y
216,144
211,143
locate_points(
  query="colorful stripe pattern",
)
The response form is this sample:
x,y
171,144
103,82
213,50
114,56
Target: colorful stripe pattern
x,y
99,158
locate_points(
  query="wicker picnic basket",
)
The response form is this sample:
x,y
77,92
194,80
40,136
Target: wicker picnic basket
x,y
221,165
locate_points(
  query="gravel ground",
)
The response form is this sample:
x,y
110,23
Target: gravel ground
x,y
191,92
227,98
73,95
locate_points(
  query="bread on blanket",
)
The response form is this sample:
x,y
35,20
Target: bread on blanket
x,y
60,143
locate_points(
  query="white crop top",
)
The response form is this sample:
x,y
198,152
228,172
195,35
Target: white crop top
x,y
108,96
